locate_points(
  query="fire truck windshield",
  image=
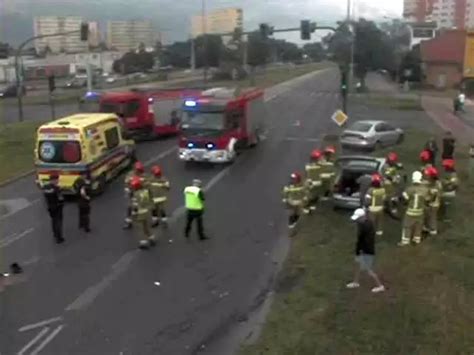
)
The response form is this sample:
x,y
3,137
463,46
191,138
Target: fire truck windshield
x,y
127,109
194,121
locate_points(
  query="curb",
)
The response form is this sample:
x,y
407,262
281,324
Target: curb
x,y
16,178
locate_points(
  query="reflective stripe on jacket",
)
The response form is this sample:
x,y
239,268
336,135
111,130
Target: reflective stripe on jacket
x,y
416,197
294,194
313,172
377,199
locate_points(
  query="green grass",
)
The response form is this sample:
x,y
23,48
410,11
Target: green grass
x,y
427,309
412,103
16,149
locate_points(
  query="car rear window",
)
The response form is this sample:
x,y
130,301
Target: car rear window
x,y
359,165
59,151
360,127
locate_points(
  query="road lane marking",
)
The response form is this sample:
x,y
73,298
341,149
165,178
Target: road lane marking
x,y
295,139
14,237
33,341
40,324
48,339
161,155
90,294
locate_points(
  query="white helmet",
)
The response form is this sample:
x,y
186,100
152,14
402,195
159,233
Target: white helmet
x,y
417,177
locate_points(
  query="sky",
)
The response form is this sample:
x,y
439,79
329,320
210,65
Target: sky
x,y
172,17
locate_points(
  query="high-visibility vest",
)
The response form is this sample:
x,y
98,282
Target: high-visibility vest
x,y
435,189
141,204
192,200
377,198
392,175
450,182
313,172
158,189
294,194
327,169
416,197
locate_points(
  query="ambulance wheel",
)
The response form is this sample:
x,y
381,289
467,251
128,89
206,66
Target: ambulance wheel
x,y
101,184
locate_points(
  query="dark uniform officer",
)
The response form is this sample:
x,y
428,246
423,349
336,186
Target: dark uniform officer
x,y
84,203
55,203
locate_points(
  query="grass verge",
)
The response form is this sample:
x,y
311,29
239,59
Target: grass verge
x,y
427,309
395,102
16,148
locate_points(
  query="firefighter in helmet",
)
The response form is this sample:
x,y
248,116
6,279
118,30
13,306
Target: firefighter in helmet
x,y
450,184
434,200
141,212
415,196
392,176
375,198
313,179
328,172
137,171
425,160
295,198
158,187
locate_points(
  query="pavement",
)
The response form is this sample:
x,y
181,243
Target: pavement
x,y
98,294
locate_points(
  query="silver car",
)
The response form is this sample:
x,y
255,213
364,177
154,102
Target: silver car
x,y
353,179
371,135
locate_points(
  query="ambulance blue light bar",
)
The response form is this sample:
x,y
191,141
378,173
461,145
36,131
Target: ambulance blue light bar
x,y
190,103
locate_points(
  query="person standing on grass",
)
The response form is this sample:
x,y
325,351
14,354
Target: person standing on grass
x,y
449,145
432,147
365,250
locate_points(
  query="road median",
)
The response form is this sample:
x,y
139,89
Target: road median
x,y
427,308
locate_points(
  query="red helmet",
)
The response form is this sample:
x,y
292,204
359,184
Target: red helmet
x,y
449,164
136,183
295,178
316,155
431,172
139,168
156,171
425,156
392,158
376,180
330,150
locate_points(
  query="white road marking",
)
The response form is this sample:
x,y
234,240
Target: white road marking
x,y
33,341
48,339
161,155
14,237
40,324
295,139
90,294
273,97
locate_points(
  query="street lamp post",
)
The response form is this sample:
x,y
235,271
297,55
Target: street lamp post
x,y
204,33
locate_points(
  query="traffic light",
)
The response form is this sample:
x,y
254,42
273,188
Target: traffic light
x,y
266,30
51,83
84,31
307,27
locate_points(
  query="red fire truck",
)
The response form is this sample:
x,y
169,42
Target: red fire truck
x,y
219,122
147,114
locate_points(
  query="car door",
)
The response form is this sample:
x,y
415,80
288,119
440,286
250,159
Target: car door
x,y
392,133
380,133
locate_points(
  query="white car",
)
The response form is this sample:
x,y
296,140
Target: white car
x,y
371,135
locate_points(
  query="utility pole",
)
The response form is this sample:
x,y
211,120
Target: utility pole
x,y
204,33
193,54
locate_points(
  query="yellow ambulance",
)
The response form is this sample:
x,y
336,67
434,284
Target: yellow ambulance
x,y
82,145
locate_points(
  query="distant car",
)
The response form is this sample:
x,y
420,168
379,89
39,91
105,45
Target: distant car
x,y
371,135
77,83
10,91
350,168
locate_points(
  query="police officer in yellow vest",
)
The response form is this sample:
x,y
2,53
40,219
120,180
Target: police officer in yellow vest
x,y
194,200
159,187
375,198
295,197
450,184
141,212
328,172
416,196
434,200
313,179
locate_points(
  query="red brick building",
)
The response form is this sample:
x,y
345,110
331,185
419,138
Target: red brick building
x,y
443,59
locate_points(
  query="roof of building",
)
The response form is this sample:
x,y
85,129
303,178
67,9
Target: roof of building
x,y
448,47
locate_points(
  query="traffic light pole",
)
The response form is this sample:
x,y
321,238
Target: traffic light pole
x,y
19,79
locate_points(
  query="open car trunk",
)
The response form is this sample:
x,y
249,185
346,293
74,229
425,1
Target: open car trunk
x,y
350,182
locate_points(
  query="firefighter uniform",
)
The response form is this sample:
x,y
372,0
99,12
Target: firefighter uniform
x,y
295,198
138,171
392,180
158,187
327,174
415,196
313,179
141,213
450,183
376,200
434,203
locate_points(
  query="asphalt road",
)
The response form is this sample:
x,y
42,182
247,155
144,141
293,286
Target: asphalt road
x,y
98,294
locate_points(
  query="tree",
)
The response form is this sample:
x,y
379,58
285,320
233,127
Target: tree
x,y
132,62
315,51
177,54
208,50
258,49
